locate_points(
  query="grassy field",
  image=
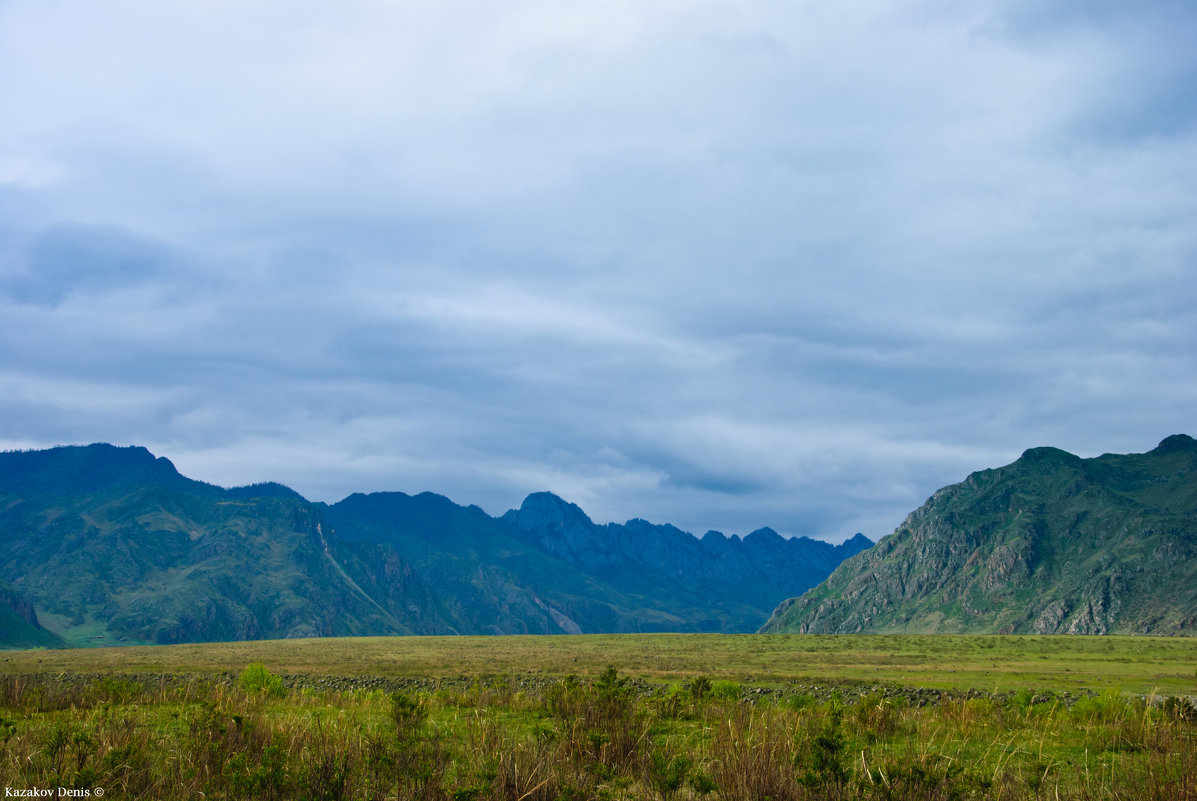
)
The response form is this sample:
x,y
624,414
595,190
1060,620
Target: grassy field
x,y
626,717
1133,664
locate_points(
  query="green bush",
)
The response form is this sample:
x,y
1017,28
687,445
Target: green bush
x,y
822,760
257,679
702,783
725,690
611,685
667,771
408,713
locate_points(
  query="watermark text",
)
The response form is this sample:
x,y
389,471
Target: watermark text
x,y
53,792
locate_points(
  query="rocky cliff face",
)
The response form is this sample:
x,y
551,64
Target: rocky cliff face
x,y
1049,544
19,627
18,605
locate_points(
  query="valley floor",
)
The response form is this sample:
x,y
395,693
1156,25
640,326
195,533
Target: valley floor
x,y
249,735
1140,665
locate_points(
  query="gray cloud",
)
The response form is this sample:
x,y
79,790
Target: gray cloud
x,y
719,265
66,259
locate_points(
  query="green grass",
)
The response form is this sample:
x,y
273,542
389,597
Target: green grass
x,y
1138,665
548,719
605,738
89,633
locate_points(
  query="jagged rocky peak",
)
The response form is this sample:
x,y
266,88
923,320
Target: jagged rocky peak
x,y
543,510
856,543
765,536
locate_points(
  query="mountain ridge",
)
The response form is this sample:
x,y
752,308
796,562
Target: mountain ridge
x,y
1051,543
113,545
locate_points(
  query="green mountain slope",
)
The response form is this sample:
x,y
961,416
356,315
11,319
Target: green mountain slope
x,y
1049,544
486,580
112,545
19,627
148,564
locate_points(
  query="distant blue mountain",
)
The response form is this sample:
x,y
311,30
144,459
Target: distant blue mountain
x,y
114,545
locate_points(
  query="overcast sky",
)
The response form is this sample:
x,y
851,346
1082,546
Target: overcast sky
x,y
719,264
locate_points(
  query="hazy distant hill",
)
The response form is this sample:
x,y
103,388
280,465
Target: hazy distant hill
x,y
114,545
1049,544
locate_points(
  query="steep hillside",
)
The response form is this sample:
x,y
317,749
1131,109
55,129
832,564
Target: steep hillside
x,y
148,563
1049,544
487,581
19,627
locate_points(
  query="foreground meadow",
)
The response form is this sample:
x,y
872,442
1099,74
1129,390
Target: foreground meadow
x,y
604,717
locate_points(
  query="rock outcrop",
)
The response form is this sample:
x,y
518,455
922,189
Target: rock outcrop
x,y
1050,544
19,626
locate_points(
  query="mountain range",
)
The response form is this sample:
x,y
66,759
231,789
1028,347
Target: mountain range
x,y
102,545
1050,544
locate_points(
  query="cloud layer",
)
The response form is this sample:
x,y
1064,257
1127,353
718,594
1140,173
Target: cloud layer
x,y
718,264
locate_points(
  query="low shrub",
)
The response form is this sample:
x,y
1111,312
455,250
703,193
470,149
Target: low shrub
x,y
725,690
256,679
